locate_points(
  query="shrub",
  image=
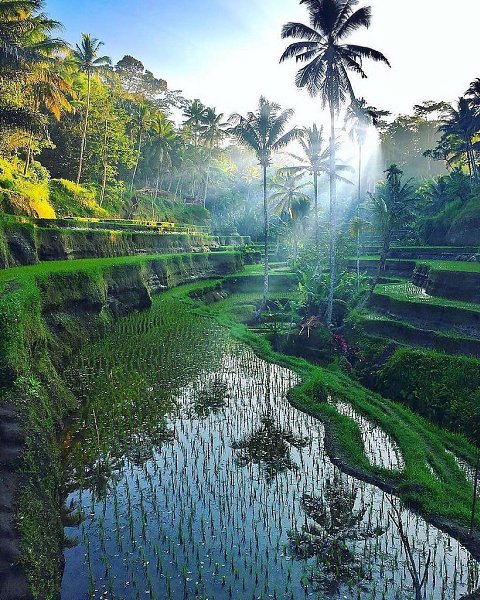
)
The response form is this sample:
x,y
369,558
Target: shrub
x,y
441,387
70,199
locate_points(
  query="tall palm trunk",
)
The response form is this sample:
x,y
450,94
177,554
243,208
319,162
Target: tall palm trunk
x,y
160,164
105,162
85,127
207,181
139,149
28,160
315,200
266,233
471,160
333,217
359,200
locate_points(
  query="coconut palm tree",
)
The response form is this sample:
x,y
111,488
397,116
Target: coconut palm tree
x,y
473,95
360,117
329,60
141,120
213,130
195,114
315,161
288,193
459,128
390,211
265,132
290,203
85,57
51,91
25,34
26,51
165,136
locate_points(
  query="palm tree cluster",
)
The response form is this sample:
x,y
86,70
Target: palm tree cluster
x,y
460,129
27,56
96,123
116,125
110,128
328,61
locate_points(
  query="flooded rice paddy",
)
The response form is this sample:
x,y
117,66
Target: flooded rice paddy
x,y
191,476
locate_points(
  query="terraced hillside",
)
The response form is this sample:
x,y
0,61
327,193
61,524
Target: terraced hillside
x,y
430,299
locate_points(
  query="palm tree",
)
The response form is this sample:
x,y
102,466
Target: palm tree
x,y
264,132
25,34
194,114
390,210
360,117
436,192
140,122
329,61
459,129
213,131
473,95
51,91
289,201
288,193
86,58
108,110
315,161
26,48
165,137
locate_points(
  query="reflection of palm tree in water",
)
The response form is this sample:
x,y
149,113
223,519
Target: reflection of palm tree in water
x,y
211,398
331,524
270,445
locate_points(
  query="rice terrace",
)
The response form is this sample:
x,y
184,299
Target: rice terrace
x,y
239,300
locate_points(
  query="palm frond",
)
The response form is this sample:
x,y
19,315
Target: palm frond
x,y
360,18
366,52
299,30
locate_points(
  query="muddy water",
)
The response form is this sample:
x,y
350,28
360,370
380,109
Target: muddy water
x,y
224,490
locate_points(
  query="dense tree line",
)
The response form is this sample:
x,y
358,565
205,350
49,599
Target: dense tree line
x,y
118,130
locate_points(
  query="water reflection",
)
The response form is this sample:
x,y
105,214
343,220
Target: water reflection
x,y
238,500
332,525
269,448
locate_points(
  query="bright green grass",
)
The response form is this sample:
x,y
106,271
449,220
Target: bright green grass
x,y
451,265
437,265
82,265
407,292
423,445
367,315
449,248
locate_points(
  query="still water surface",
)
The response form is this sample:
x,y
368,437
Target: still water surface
x,y
197,479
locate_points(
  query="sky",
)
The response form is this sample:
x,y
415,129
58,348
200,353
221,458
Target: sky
x,y
226,52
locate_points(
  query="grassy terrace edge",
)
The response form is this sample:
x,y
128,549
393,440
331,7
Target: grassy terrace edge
x,y
444,498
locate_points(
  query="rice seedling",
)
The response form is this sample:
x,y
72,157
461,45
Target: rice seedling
x,y
216,487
